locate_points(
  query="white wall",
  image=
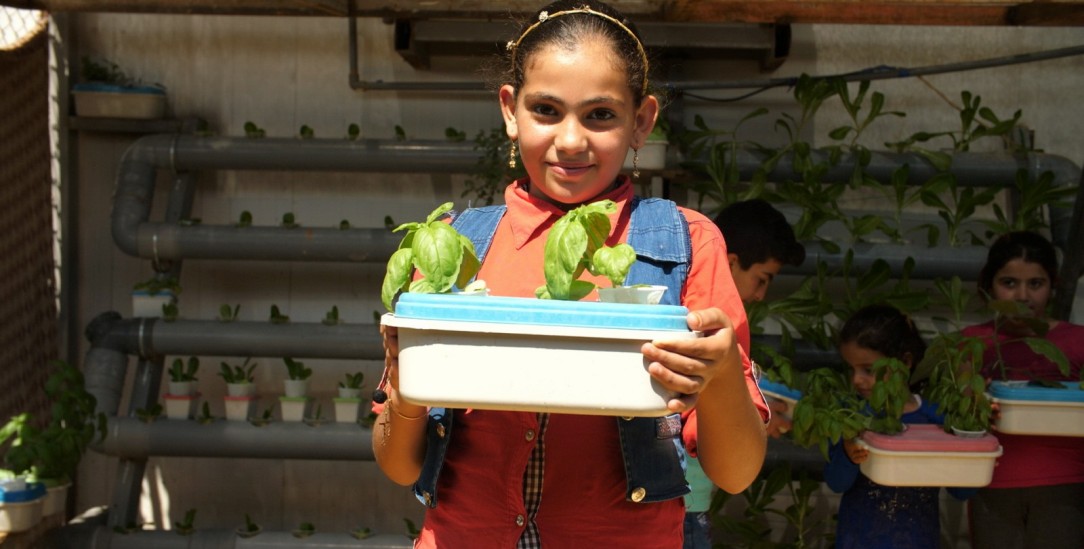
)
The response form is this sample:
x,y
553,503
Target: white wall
x,y
282,72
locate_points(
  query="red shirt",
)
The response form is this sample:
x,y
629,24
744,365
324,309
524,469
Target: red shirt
x,y
1033,460
583,489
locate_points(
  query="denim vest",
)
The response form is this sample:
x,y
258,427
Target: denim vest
x,y
651,447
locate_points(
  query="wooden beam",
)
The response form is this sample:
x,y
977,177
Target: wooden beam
x,y
867,12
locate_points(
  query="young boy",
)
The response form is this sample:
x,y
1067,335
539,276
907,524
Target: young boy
x,y
759,241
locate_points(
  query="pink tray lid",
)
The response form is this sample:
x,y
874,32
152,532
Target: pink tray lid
x,y
929,438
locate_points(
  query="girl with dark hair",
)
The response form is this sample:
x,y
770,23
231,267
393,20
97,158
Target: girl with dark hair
x,y
873,516
575,99
1036,498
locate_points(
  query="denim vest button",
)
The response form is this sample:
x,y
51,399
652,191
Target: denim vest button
x,y
520,521
440,430
638,495
428,499
530,435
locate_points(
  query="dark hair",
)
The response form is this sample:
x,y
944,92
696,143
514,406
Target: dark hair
x,y
1030,246
757,232
569,31
886,330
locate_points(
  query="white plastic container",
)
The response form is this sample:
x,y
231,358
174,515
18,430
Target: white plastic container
x,y
925,455
1033,410
180,406
110,101
506,353
20,505
239,408
293,408
782,393
346,409
145,305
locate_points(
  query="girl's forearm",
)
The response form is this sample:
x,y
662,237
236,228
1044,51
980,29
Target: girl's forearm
x,y
399,439
731,435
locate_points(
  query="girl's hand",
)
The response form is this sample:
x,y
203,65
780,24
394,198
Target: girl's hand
x,y
855,452
687,366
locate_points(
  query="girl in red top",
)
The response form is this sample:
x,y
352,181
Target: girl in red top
x,y
1036,497
574,100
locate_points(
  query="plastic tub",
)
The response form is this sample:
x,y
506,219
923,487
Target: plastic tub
x,y
20,505
925,455
1036,410
111,101
507,353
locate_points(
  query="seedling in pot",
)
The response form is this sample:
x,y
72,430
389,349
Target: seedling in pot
x,y
277,317
245,220
332,316
266,418
205,417
179,372
296,369
445,258
149,414
289,222
352,381
362,532
238,374
227,313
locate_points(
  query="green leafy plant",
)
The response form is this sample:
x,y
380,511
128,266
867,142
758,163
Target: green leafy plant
x,y
180,371
104,71
577,242
205,417
1009,318
227,313
304,530
412,531
188,525
54,450
492,171
361,532
445,258
353,132
150,413
352,381
752,527
277,317
889,395
296,369
249,529
306,132
955,382
289,221
332,316
156,285
170,311
344,225
238,374
1033,197
252,131
244,220
828,411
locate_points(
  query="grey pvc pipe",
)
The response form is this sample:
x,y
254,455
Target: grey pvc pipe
x,y
131,438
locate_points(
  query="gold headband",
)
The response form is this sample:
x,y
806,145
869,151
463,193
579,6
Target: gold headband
x,y
512,46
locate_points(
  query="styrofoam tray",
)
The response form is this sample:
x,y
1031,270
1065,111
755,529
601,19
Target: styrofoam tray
x,y
524,366
930,466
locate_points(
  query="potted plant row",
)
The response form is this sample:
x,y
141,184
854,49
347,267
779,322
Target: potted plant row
x,y
294,403
240,396
181,396
540,336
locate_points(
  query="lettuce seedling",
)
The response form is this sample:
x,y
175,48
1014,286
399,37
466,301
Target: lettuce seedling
x,y
577,242
444,258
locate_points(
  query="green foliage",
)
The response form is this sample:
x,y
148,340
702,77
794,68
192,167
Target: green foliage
x,y
296,369
304,530
829,411
332,316
249,529
188,525
159,284
54,451
1033,197
352,381
179,372
752,528
276,316
1015,322
956,384
889,395
492,172
245,219
353,132
412,531
306,132
252,131
237,374
289,221
577,242
444,257
227,313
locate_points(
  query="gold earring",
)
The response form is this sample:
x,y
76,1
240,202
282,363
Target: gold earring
x,y
635,161
512,156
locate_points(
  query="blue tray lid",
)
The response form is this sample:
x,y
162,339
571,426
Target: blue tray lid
x,y
1016,391
29,492
779,389
523,310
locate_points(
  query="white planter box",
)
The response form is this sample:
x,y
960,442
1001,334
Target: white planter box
x,y
643,295
346,409
105,101
20,505
56,497
239,408
180,407
145,305
925,455
1027,410
293,408
295,388
508,353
